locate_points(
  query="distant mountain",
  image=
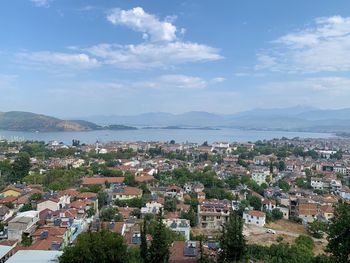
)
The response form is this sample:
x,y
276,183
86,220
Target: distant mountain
x,y
193,118
298,118
341,114
27,121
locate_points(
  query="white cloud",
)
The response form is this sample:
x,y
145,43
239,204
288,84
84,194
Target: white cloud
x,y
174,82
41,3
164,51
149,25
323,86
48,60
325,46
217,80
151,56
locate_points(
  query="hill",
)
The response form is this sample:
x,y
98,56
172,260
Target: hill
x,y
298,118
27,121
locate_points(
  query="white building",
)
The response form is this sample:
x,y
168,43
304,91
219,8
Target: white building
x,y
254,217
181,226
345,193
151,207
260,176
23,223
317,183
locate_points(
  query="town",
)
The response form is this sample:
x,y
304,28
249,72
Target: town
x,y
285,191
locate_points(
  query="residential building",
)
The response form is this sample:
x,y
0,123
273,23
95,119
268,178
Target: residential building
x,y
261,176
181,226
126,193
254,217
23,223
212,214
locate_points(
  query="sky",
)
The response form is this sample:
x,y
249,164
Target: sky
x,y
106,57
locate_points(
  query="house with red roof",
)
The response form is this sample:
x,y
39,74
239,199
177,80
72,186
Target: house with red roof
x,y
254,217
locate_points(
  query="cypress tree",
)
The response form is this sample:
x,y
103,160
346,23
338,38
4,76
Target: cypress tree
x,y
143,245
232,241
159,249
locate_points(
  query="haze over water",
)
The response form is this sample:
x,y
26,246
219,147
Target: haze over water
x,y
179,135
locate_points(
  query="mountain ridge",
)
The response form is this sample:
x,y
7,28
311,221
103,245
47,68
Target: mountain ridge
x,y
28,121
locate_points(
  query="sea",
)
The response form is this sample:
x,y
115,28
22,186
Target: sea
x,y
162,135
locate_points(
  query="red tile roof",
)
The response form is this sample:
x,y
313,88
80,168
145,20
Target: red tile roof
x,y
101,180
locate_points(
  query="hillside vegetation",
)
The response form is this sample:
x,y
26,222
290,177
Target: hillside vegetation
x,y
26,121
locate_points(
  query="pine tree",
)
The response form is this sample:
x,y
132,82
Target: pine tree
x,y
339,234
232,241
143,245
159,249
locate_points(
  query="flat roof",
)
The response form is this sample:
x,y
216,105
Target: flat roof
x,y
35,256
4,250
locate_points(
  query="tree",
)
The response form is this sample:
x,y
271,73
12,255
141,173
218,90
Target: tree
x,y
98,247
170,204
26,207
129,179
317,228
339,233
190,215
271,167
21,166
75,142
281,166
159,249
232,241
143,245
276,214
26,240
283,185
108,214
102,198
255,202
36,196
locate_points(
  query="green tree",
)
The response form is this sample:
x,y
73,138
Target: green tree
x,y
281,166
36,197
143,245
102,198
26,240
21,166
159,249
26,207
317,228
108,214
98,247
283,185
170,204
129,179
339,233
190,215
255,202
276,214
232,241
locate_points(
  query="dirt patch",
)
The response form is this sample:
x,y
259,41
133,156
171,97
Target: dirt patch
x,y
269,239
285,225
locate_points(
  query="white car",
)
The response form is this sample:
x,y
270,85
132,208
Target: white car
x,y
270,231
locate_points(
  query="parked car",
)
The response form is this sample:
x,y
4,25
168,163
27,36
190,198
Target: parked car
x,y
270,231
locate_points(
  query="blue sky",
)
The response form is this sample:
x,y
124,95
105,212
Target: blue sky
x,y
79,58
